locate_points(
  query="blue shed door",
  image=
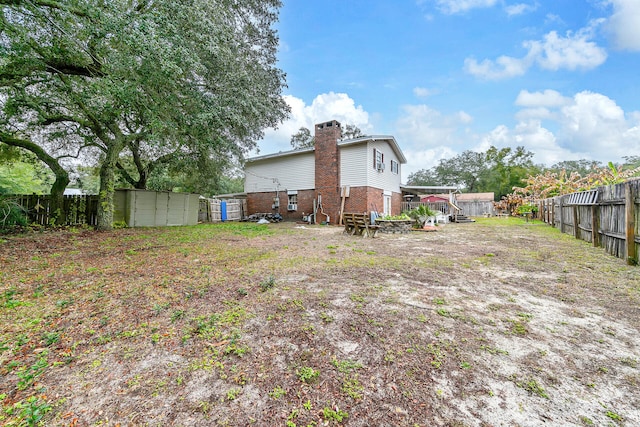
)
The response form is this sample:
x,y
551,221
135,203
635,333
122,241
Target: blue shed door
x,y
223,210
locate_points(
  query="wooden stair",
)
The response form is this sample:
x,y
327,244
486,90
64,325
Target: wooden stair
x,y
459,219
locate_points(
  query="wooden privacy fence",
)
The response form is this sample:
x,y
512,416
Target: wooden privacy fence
x,y
468,208
607,217
216,210
77,209
136,208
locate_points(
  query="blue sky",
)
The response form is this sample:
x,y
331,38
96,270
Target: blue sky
x,y
559,77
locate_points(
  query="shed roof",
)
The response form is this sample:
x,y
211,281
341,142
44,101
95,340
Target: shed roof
x,y
475,197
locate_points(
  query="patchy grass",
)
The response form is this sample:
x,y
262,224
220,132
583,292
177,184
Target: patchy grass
x,y
274,325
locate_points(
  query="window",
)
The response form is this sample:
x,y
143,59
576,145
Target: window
x,y
394,167
378,160
292,202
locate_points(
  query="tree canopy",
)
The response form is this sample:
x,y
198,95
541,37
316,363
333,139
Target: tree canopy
x,y
152,83
304,139
496,170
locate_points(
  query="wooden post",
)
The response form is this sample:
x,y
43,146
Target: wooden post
x,y
576,228
595,225
630,223
560,203
344,190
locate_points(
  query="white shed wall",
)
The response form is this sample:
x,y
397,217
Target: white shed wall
x,y
296,172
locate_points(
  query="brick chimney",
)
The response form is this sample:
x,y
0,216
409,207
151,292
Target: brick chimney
x,y
328,169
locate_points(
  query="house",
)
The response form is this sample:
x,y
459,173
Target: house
x,y
336,175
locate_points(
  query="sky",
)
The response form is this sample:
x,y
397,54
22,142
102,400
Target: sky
x,y
559,77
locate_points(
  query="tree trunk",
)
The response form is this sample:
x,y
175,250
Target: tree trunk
x,y
107,187
62,177
57,197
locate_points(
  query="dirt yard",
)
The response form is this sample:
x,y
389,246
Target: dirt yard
x,y
496,323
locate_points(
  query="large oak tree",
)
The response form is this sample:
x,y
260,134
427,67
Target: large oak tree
x,y
154,80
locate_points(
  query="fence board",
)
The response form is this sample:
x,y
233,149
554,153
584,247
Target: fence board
x,y
211,210
77,209
607,217
135,207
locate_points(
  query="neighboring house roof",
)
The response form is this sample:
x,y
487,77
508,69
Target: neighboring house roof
x,y
425,189
433,198
475,197
73,192
344,142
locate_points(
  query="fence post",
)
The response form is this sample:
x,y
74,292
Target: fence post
x,y
561,205
595,225
630,222
576,228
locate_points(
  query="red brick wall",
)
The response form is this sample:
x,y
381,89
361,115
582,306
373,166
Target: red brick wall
x,y
366,199
263,202
396,204
328,169
361,199
357,200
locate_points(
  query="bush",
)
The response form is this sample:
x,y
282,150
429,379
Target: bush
x,y
394,217
526,208
421,214
11,213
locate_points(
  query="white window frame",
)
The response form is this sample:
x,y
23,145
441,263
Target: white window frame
x,y
394,167
292,200
378,160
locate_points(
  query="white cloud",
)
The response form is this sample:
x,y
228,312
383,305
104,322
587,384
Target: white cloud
x,y
595,124
426,136
624,24
574,51
589,125
460,6
531,135
422,92
418,159
547,98
324,107
502,68
520,9
553,52
538,113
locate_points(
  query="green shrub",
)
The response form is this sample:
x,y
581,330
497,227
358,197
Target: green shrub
x,y
11,213
420,215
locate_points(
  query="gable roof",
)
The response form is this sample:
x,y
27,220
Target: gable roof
x,y
343,142
390,139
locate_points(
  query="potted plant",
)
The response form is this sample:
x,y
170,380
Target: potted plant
x,y
421,214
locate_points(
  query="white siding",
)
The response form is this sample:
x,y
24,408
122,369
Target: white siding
x,y
296,172
356,166
353,165
385,180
